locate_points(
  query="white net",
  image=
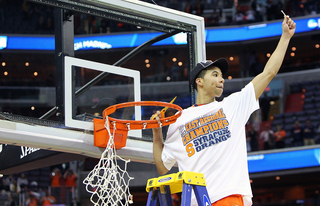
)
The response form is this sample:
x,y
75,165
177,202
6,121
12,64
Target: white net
x,y
108,183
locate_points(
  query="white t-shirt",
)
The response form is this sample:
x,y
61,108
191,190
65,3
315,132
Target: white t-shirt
x,y
210,139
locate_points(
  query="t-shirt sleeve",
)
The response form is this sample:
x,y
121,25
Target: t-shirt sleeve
x,y
250,103
169,145
167,160
246,103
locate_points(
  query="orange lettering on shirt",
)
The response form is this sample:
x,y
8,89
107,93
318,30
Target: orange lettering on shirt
x,y
221,114
195,123
225,122
190,149
205,119
214,116
215,125
201,121
199,131
205,129
186,139
192,135
188,126
211,129
220,124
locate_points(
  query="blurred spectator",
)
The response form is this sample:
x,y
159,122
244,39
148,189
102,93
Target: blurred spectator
x,y
308,133
265,105
223,18
4,186
41,26
42,193
188,7
271,10
248,143
295,4
56,184
12,183
10,201
278,8
121,27
94,24
48,200
250,16
199,8
22,182
261,13
280,135
253,5
49,12
32,200
3,195
185,76
175,72
22,186
26,9
214,18
49,25
314,7
71,184
239,17
33,186
253,135
267,136
296,133
105,26
255,67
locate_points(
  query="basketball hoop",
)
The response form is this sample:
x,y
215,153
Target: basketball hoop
x,y
119,128
108,183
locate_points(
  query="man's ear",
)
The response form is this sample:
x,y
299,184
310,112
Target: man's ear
x,y
199,81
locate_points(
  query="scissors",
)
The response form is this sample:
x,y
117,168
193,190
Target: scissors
x,y
163,110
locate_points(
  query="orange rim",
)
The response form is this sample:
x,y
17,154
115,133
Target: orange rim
x,y
140,124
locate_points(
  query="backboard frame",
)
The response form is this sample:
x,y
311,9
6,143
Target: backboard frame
x,y
70,97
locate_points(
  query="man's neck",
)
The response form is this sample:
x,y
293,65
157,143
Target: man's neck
x,y
197,105
203,98
204,101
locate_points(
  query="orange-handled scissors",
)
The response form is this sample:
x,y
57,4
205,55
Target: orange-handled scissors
x,y
163,110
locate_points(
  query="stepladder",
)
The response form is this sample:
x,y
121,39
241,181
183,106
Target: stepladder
x,y
161,188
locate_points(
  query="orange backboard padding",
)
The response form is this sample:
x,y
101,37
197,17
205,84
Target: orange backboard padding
x,y
101,135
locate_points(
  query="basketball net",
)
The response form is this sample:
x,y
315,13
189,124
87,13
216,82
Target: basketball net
x,y
108,183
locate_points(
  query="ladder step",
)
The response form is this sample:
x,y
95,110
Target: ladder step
x,y
176,180
162,187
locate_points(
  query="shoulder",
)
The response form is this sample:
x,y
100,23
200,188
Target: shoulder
x,y
242,95
247,88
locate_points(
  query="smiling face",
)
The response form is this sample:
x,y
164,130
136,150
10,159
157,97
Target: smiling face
x,y
212,82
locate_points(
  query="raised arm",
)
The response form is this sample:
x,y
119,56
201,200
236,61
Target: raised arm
x,y
157,150
261,81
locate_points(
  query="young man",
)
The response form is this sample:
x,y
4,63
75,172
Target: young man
x,y
210,136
